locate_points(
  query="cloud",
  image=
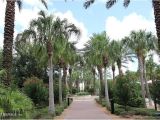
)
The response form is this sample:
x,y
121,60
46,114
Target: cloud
x,y
84,32
23,18
117,29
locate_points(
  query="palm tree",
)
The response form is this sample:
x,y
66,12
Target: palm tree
x,y
97,50
42,31
63,48
140,43
156,8
64,55
8,36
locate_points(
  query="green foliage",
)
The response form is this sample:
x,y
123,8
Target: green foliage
x,y
36,90
56,92
119,110
155,91
111,89
42,113
13,101
123,111
122,91
82,93
127,91
73,90
0,59
59,110
26,65
2,75
90,90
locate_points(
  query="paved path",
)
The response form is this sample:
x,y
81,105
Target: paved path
x,y
84,108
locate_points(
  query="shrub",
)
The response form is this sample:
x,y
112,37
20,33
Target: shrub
x,y
59,110
155,91
13,101
127,91
111,89
73,90
82,93
36,90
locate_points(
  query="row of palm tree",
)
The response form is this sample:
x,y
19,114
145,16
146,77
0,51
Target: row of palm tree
x,y
52,35
103,53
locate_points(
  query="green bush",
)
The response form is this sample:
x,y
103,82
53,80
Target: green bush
x,y
82,93
36,90
59,110
155,91
73,90
120,110
111,89
13,101
127,91
90,90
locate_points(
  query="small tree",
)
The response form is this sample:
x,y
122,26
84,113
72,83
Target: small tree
x,y
155,92
127,90
122,91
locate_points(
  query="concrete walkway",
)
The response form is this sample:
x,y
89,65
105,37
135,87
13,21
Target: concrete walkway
x,y
84,108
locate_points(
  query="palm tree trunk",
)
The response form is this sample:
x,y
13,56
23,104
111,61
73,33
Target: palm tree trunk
x,y
113,72
140,63
60,86
70,79
65,83
101,83
156,7
51,90
94,80
51,107
94,85
119,64
146,84
65,76
120,70
8,39
106,88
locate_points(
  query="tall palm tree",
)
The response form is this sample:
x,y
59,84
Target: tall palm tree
x,y
140,43
63,49
64,55
90,65
8,36
97,50
42,31
156,8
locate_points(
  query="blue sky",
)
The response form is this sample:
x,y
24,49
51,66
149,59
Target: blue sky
x,y
95,16
117,21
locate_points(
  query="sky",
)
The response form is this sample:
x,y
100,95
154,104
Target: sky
x,y
117,21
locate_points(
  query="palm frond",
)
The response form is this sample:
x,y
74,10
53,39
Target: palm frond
x,y
87,3
19,3
126,3
110,3
44,3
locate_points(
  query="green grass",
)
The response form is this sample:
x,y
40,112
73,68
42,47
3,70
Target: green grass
x,y
120,110
42,113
